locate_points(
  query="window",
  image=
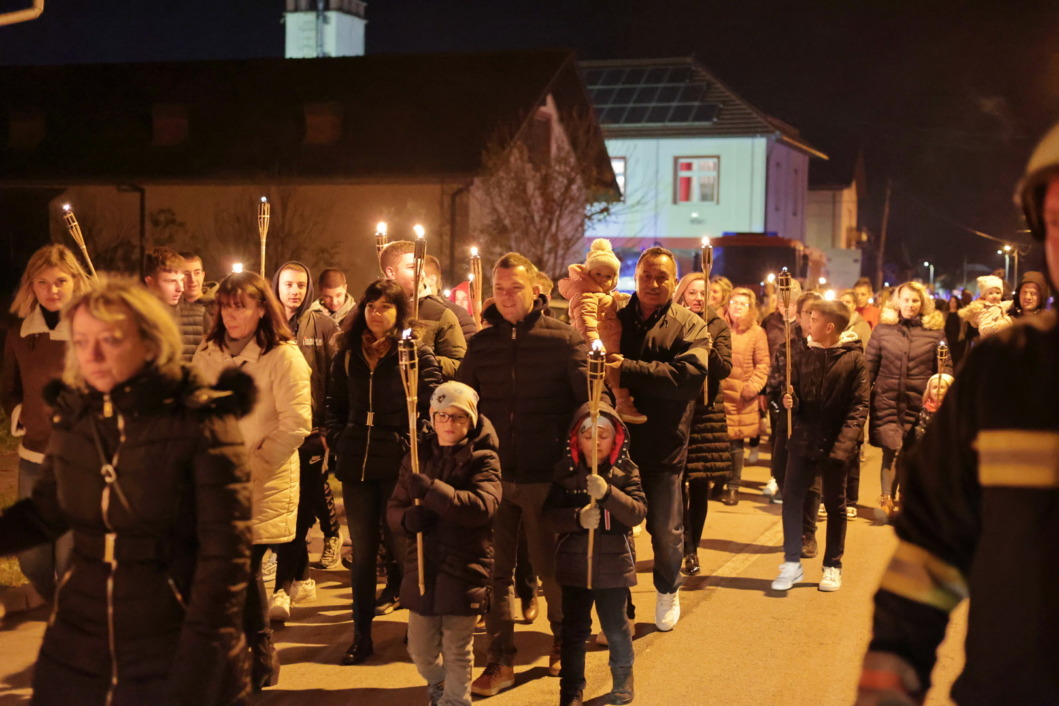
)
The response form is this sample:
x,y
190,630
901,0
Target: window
x,y
618,165
696,179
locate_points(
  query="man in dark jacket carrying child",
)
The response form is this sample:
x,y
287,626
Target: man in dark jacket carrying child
x,y
829,395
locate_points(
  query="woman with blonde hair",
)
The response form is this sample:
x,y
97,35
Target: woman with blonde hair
x,y
900,359
719,293
750,369
709,456
146,469
33,355
250,333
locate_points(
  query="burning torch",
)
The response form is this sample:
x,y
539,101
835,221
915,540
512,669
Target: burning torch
x,y
74,229
943,362
408,362
596,369
264,213
707,268
783,282
475,282
380,241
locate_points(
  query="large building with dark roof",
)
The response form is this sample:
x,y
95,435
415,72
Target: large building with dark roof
x,y
693,158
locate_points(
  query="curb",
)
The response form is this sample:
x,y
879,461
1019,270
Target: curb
x,y
18,599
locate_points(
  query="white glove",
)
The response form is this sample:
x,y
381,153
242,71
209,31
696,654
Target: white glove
x,y
597,486
588,517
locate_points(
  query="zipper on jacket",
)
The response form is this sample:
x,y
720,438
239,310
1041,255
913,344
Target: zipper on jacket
x,y
109,542
369,423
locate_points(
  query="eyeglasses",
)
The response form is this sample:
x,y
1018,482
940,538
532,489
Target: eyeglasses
x,y
446,417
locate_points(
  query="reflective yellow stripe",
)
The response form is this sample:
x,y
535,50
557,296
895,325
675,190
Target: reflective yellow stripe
x,y
1018,459
916,574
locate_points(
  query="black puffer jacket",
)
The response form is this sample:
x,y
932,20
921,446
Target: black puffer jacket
x,y
709,454
830,401
367,413
624,507
531,378
901,357
458,550
181,528
664,368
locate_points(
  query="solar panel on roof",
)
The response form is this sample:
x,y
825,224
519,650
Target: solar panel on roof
x,y
612,77
692,93
634,76
592,76
613,114
636,114
680,74
659,95
705,113
657,75
624,95
681,113
603,96
658,114
646,95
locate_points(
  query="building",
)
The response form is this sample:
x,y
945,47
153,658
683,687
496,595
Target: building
x,y
693,158
835,190
180,153
314,29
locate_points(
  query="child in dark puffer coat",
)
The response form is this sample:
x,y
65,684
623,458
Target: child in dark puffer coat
x,y
620,506
458,487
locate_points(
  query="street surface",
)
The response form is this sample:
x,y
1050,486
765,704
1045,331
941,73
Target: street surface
x,y
738,642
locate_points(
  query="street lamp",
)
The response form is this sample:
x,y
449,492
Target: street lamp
x,y
931,266
1006,252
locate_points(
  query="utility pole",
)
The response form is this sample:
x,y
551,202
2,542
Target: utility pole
x,y
882,237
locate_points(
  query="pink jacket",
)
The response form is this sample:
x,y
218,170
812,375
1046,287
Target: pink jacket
x,y
750,369
589,306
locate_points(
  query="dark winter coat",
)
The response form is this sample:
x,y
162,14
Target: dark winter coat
x,y
624,507
463,316
664,368
366,416
531,377
443,333
709,453
901,357
830,401
978,519
33,355
181,524
458,549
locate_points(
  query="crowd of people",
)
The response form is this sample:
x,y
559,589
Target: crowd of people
x,y
177,433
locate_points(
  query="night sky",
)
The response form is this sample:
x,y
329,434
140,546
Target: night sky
x,y
946,101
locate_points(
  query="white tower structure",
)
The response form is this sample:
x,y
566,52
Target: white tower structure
x,y
317,28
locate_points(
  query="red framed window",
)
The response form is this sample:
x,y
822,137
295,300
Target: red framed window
x,y
697,179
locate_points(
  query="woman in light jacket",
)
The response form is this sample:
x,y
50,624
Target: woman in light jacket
x,y
250,334
33,355
750,370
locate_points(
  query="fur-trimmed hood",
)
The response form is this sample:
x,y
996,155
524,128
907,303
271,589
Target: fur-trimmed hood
x,y
932,321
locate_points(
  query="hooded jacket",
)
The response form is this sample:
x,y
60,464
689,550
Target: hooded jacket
x,y
750,370
665,368
530,377
458,548
181,547
315,334
622,508
901,357
830,401
1042,288
347,308
33,355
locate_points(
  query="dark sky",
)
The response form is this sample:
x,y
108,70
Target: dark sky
x,y
945,100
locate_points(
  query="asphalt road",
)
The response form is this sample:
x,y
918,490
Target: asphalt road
x,y
738,642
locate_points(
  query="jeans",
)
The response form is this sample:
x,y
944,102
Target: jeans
x,y
577,624
365,513
442,648
887,473
522,505
41,564
800,472
665,524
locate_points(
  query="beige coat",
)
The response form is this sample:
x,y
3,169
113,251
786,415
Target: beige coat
x,y
750,369
272,432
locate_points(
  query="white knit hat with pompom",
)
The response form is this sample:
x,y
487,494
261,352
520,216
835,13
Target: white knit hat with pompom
x,y
986,282
601,253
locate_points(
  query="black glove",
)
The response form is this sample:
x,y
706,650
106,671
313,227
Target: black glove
x,y
418,519
419,484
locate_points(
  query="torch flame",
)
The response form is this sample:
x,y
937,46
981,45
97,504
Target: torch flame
x,y
474,252
237,267
407,333
771,278
597,346
419,230
66,207
470,277
264,199
705,242
380,227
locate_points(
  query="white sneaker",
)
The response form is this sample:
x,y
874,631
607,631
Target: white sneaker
x,y
303,591
770,488
821,512
331,554
268,566
752,457
851,512
790,573
279,606
832,580
667,610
